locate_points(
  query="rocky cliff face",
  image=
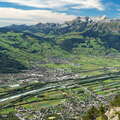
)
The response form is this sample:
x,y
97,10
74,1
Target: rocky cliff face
x,y
113,113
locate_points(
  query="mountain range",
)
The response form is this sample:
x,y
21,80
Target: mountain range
x,y
25,47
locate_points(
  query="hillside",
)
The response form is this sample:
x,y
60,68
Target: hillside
x,y
30,46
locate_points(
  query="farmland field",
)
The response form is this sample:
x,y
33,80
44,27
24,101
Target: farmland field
x,y
85,86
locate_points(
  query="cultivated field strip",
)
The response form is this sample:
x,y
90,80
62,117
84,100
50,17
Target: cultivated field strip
x,y
84,88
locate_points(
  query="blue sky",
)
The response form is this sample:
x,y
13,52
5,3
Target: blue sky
x,y
35,11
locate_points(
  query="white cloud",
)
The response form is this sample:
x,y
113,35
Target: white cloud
x,y
17,16
97,4
90,4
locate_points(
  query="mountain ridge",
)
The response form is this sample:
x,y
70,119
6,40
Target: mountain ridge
x,y
34,44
